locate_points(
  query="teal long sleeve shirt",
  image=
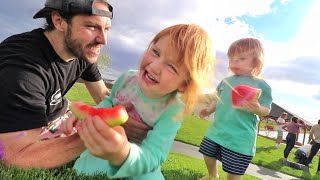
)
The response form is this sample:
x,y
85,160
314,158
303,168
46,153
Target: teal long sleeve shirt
x,y
144,160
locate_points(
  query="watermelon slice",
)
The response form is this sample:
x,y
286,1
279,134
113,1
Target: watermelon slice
x,y
243,93
114,116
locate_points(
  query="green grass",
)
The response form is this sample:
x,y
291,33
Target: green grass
x,y
184,167
177,166
79,93
193,130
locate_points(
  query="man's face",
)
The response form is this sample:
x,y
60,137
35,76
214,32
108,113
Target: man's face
x,y
87,34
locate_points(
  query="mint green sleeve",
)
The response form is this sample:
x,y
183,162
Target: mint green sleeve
x,y
107,101
154,149
266,96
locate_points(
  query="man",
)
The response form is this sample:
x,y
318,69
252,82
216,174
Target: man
x,y
303,152
315,136
280,122
38,68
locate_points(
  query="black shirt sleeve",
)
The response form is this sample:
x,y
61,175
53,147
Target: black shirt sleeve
x,y
22,94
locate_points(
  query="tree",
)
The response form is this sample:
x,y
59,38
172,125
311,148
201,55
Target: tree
x,y
104,60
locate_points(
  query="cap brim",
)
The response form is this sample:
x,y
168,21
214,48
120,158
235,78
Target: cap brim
x,y
42,13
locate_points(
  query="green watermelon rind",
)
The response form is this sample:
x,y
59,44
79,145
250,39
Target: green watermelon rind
x,y
80,114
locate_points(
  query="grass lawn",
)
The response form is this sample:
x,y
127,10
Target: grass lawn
x,y
177,167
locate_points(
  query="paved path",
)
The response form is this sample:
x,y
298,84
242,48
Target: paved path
x,y
253,170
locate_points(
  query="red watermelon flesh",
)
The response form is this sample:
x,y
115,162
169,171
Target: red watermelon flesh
x,y
114,116
243,93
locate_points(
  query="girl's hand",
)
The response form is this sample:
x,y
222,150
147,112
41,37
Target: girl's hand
x,y
204,112
103,141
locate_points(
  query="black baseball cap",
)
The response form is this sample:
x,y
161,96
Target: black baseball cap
x,y
74,7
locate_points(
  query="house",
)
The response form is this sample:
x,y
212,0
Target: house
x,y
276,111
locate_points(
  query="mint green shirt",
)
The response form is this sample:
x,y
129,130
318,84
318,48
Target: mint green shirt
x,y
144,160
236,129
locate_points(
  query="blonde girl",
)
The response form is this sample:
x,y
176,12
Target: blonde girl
x,y
162,90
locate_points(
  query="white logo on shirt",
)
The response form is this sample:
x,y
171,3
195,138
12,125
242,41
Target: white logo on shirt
x,y
56,98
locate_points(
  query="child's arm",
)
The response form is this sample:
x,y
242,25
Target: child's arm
x,y
153,151
208,110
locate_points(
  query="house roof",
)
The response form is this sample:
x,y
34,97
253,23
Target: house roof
x,y
277,110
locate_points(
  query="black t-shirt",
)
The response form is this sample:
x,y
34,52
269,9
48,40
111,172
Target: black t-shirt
x,y
34,79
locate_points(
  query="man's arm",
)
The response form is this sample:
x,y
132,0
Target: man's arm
x,y
311,135
284,127
24,150
279,123
97,90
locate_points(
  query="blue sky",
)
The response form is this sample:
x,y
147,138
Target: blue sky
x,y
286,17
288,29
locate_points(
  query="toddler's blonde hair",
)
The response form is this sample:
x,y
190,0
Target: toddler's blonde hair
x,y
249,45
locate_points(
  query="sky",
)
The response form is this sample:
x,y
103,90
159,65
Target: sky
x,y
288,29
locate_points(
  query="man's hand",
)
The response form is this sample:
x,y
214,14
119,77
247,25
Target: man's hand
x,y
67,125
136,130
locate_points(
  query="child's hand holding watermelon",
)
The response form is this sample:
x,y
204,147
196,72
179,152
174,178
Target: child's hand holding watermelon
x,y
114,116
242,94
246,98
107,142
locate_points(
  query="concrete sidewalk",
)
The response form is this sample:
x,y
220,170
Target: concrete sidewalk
x,y
253,170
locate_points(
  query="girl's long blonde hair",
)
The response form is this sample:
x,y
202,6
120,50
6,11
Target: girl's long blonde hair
x,y
194,49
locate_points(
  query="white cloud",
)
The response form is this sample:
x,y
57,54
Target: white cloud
x,y
153,16
308,36
293,89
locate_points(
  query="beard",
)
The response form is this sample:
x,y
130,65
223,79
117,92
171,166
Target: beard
x,y
74,46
